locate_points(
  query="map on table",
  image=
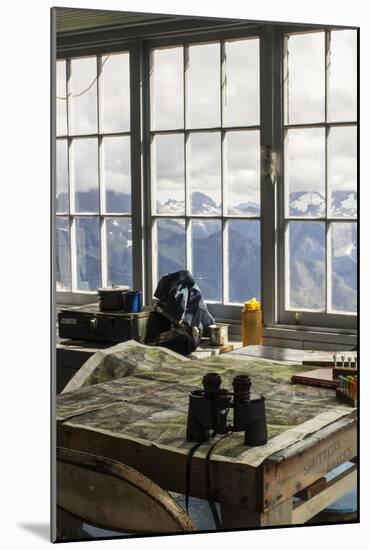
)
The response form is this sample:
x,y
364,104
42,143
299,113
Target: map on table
x,y
142,392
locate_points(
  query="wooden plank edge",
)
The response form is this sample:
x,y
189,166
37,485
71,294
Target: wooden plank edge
x,y
335,489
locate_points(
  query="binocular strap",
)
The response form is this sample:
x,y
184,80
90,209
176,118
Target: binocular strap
x,y
209,489
188,471
208,482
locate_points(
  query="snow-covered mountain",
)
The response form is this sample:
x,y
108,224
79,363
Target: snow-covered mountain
x,y
312,203
307,249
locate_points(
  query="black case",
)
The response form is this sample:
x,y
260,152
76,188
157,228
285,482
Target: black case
x,y
89,323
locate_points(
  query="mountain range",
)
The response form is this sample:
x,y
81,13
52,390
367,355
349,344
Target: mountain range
x,y
307,248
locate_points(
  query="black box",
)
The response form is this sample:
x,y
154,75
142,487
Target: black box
x,y
89,323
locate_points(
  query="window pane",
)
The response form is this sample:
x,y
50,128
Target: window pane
x,y
114,93
119,250
63,279
88,253
204,166
166,83
62,198
342,177
342,78
241,88
203,86
305,172
116,173
61,99
207,257
344,267
85,174
242,173
304,78
243,260
167,177
83,96
170,246
306,266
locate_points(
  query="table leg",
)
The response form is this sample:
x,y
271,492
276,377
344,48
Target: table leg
x,y
236,517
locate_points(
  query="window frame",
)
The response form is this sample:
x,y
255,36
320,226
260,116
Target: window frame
x,y
226,311
75,295
138,43
307,319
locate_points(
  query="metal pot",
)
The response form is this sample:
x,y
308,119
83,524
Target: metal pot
x,y
218,334
111,298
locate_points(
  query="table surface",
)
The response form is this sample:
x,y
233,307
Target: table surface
x,y
140,417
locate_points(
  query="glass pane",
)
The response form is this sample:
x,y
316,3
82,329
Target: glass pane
x,y
241,87
344,267
204,167
243,260
88,253
203,86
84,158
305,172
342,78
63,279
170,246
61,99
62,198
304,78
306,266
83,96
242,173
119,251
167,178
166,84
207,257
342,177
116,173
114,93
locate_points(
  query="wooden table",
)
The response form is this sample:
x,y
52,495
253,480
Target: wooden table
x,y
140,420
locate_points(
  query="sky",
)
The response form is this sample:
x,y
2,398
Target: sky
x,y
305,103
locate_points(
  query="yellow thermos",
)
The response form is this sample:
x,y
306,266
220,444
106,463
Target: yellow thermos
x,y
251,323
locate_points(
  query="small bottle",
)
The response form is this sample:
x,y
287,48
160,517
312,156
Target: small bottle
x,y
252,323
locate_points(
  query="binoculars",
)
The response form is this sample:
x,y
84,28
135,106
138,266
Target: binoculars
x,y
208,410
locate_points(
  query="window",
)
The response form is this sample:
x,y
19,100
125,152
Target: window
x,y
93,183
205,175
182,131
320,137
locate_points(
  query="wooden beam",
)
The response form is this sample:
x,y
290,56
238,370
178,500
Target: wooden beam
x,y
288,472
237,484
234,517
335,490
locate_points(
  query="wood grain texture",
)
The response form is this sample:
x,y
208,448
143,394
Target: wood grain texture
x,y
112,495
335,490
289,471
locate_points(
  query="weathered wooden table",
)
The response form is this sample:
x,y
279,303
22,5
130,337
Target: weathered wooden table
x,y
140,420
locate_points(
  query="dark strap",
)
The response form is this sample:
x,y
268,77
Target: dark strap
x,y
188,471
209,489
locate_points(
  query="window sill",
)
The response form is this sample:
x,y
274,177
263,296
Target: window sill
x,y
301,337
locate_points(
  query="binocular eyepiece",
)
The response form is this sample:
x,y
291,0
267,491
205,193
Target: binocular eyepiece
x,y
208,410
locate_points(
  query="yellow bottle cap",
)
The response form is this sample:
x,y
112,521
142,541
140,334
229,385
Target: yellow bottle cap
x,y
252,304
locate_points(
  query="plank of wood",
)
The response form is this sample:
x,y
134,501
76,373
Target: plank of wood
x,y
237,483
312,489
289,471
334,490
110,494
234,517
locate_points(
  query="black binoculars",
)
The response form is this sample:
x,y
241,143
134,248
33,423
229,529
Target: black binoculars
x,y
208,410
